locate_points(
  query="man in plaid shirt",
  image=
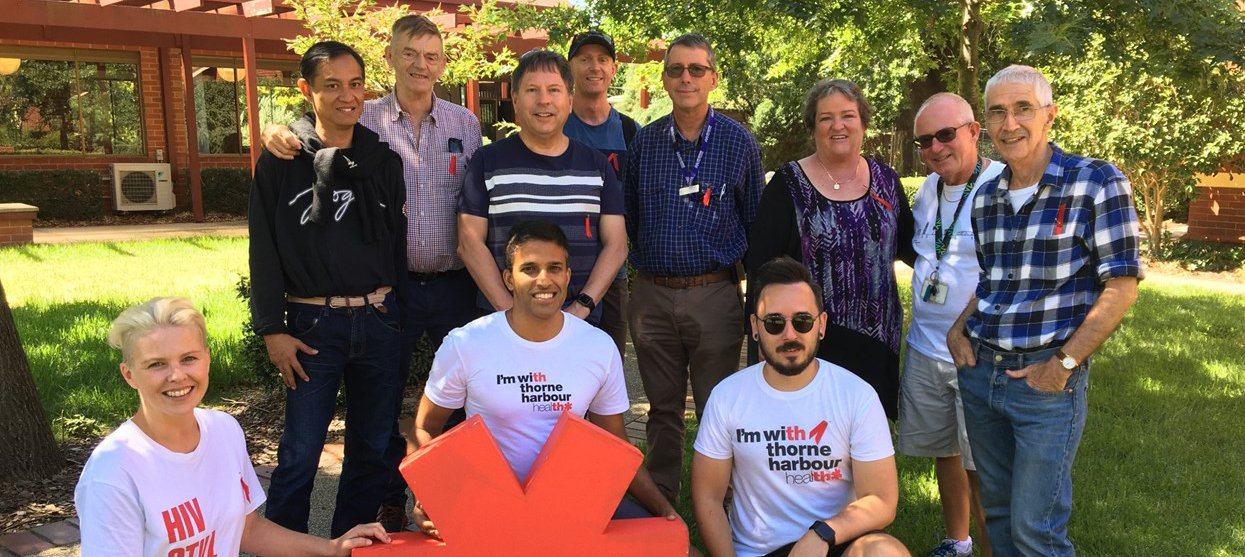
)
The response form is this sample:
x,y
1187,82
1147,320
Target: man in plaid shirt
x,y
1057,243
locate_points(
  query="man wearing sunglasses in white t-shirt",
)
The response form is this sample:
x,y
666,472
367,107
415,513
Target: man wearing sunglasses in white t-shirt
x,y
803,443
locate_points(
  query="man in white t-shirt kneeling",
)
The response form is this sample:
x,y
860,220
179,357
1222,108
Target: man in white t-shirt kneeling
x,y
803,443
521,368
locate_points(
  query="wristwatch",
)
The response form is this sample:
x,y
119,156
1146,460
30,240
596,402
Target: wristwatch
x,y
824,531
1068,362
586,301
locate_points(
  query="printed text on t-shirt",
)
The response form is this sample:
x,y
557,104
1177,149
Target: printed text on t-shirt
x,y
794,449
535,389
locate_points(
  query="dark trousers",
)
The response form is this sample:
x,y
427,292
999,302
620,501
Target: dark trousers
x,y
694,331
614,313
433,305
360,348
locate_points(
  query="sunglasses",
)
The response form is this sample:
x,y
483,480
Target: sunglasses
x,y
697,70
944,136
775,324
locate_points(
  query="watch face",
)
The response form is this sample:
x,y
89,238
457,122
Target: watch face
x,y
1068,363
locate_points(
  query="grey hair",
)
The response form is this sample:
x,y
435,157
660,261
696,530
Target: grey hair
x,y
825,88
136,321
964,110
1024,75
693,40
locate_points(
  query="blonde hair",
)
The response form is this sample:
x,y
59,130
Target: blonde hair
x,y
136,321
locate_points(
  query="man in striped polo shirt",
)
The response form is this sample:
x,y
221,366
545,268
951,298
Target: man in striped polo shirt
x,y
541,173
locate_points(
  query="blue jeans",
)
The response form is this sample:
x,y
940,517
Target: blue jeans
x,y
433,305
359,347
1023,442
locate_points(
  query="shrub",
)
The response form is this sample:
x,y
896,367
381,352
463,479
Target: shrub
x,y
59,194
226,190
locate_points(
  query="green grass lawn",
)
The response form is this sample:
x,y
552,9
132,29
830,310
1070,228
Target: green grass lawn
x,y
65,296
1159,471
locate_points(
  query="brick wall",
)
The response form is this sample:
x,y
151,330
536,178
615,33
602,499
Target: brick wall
x,y
16,224
1218,213
154,128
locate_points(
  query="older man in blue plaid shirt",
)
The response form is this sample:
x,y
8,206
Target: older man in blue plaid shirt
x,y
1057,242
693,183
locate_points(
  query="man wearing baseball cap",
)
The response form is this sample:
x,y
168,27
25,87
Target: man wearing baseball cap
x,y
596,124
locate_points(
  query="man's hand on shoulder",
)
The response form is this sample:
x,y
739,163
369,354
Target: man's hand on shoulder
x,y
280,141
283,351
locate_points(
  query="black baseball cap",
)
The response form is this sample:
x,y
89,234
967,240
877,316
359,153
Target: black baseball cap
x,y
592,37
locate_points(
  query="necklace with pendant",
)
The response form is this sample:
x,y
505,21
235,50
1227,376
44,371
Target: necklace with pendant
x,y
833,180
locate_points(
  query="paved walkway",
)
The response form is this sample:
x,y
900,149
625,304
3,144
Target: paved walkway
x,y
72,234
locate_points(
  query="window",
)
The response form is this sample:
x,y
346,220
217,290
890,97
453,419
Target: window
x,y
220,101
56,101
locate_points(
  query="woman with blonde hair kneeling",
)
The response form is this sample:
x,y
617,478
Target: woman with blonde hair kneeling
x,y
176,479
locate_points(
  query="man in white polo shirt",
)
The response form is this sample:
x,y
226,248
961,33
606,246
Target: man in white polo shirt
x,y
931,417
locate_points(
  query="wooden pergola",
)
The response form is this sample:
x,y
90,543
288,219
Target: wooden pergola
x,y
253,26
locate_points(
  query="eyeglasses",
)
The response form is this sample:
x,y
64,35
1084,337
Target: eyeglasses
x,y
944,136
697,70
775,324
1023,113
411,55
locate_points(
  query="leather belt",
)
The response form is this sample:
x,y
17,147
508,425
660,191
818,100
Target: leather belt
x,y
429,277
681,283
376,298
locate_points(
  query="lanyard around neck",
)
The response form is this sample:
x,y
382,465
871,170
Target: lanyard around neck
x,y
943,239
689,174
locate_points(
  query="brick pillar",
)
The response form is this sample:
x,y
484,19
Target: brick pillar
x,y
17,224
1218,213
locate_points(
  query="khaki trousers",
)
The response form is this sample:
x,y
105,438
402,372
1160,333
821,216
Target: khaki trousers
x,y
677,331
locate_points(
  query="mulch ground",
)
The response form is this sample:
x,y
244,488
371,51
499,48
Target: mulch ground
x,y
27,504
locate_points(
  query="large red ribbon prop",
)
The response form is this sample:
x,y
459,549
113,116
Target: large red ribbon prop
x,y
563,509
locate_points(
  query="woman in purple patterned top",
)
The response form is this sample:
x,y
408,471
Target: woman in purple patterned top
x,y
846,218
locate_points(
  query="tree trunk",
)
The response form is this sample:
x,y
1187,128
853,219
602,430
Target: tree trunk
x,y
1153,193
908,163
970,45
27,448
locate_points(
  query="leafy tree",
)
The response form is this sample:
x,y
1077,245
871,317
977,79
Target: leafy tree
x,y
358,23
1160,129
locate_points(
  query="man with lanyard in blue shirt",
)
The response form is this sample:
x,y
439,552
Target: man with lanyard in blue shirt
x,y
435,139
596,124
693,183
1057,242
931,418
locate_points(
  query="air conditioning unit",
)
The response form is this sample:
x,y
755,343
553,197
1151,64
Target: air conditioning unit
x,y
142,187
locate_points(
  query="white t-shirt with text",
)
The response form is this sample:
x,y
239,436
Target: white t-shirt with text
x,y
521,387
138,498
959,269
792,451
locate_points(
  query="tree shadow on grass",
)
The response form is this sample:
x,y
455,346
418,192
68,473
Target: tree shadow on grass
x,y
76,371
199,243
1159,470
28,251
112,246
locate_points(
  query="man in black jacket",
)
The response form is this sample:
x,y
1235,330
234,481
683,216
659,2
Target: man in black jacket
x,y
328,253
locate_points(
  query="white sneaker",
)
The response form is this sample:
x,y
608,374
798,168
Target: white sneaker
x,y
949,548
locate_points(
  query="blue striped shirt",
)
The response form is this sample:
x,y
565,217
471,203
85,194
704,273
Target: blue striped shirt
x,y
507,183
1044,266
691,234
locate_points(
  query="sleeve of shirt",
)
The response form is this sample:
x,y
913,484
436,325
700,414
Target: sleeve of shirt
x,y
749,193
871,437
612,397
447,380
254,491
612,190
1113,230
474,139
906,225
474,198
267,278
110,520
775,231
397,205
712,439
631,187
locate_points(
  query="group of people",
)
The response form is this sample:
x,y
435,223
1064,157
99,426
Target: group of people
x,y
375,223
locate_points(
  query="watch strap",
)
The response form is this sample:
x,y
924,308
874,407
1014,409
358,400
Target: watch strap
x,y
1064,359
585,300
824,531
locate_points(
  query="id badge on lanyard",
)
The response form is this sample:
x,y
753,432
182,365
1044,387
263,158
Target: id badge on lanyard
x,y
690,186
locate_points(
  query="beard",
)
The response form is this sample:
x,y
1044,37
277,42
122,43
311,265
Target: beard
x,y
775,359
